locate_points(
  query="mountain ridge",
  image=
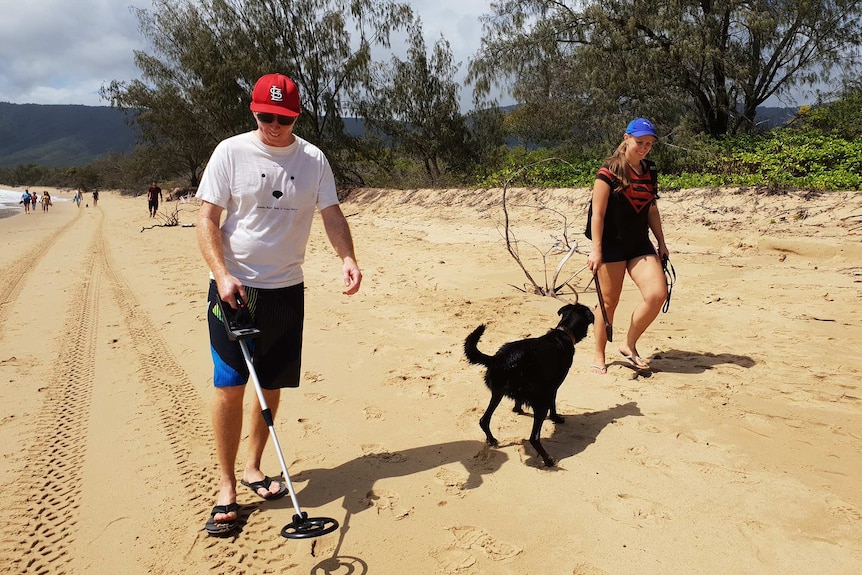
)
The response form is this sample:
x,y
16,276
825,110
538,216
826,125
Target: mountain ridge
x,y
66,135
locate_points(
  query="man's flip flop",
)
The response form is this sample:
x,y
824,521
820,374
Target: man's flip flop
x,y
264,484
221,528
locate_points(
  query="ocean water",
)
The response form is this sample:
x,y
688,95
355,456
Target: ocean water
x,y
9,201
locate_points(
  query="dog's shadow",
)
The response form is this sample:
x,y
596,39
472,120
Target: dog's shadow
x,y
578,432
689,362
354,480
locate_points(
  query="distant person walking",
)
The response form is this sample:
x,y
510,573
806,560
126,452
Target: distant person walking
x,y
26,198
154,194
95,198
46,201
78,198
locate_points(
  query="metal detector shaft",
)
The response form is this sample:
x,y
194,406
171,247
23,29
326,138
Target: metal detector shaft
x,y
267,416
609,329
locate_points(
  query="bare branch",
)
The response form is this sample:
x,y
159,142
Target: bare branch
x,y
554,289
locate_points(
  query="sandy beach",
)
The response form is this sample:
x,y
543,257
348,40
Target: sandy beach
x,y
740,452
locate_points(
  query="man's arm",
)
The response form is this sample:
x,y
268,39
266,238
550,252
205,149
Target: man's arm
x,y
338,232
209,240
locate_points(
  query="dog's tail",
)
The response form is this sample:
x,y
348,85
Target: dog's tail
x,y
472,351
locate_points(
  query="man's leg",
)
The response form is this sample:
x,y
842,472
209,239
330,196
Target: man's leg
x,y
227,428
257,442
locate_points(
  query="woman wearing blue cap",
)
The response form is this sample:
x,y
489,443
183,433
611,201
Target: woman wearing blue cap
x,y
622,213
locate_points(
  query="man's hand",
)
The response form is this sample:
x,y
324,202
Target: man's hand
x,y
352,276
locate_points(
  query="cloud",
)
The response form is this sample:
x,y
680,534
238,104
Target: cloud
x,y
64,51
61,52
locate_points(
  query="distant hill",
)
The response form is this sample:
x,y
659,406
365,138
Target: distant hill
x,y
62,135
57,136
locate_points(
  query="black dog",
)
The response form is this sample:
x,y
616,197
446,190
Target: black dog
x,y
531,370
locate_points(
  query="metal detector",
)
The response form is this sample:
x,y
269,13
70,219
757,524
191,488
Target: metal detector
x,y
240,327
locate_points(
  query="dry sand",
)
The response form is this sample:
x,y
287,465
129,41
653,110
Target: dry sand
x,y
740,453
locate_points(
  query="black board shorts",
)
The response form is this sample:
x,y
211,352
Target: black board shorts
x,y
276,353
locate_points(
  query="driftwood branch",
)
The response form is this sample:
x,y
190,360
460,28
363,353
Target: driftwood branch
x,y
168,220
560,244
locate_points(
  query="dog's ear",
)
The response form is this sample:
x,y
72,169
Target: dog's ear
x,y
564,309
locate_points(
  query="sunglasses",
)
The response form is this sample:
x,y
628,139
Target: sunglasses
x,y
270,118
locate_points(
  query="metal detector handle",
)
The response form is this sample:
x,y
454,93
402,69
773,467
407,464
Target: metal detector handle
x,y
609,329
237,329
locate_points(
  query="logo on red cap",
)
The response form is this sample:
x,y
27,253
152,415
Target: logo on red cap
x,y
275,94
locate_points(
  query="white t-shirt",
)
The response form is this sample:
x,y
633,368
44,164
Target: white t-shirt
x,y
269,195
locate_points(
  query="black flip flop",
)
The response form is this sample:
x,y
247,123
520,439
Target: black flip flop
x,y
221,528
264,484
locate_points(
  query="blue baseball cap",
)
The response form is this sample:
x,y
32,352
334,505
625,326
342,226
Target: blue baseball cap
x,y
641,127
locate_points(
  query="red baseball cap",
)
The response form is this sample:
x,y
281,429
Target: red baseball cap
x,y
275,94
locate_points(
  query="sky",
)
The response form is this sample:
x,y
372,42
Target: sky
x,y
64,51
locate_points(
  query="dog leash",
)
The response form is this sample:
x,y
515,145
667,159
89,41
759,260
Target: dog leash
x,y
609,329
670,276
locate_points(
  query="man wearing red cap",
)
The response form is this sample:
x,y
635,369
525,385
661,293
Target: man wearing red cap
x,y
267,183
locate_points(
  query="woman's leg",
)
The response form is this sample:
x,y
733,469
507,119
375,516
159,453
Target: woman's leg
x,y
648,275
610,277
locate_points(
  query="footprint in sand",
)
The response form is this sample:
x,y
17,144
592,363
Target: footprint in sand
x,y
319,397
476,539
588,570
841,510
373,413
454,560
633,510
380,453
386,501
455,483
643,456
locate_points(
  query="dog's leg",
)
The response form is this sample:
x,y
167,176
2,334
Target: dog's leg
x,y
555,417
485,420
519,407
539,414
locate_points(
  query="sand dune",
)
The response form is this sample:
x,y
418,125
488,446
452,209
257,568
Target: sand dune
x,y
740,453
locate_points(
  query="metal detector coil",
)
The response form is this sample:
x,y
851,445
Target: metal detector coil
x,y
240,327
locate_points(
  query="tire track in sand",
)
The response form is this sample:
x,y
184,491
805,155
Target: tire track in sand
x,y
42,519
14,275
171,390
45,504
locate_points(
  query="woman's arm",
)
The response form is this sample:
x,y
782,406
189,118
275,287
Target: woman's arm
x,y
654,219
601,194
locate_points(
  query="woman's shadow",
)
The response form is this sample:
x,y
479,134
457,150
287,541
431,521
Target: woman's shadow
x,y
689,362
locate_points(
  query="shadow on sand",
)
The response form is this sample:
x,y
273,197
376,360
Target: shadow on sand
x,y
353,481
689,362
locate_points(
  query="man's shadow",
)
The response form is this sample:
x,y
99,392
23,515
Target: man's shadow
x,y
689,362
